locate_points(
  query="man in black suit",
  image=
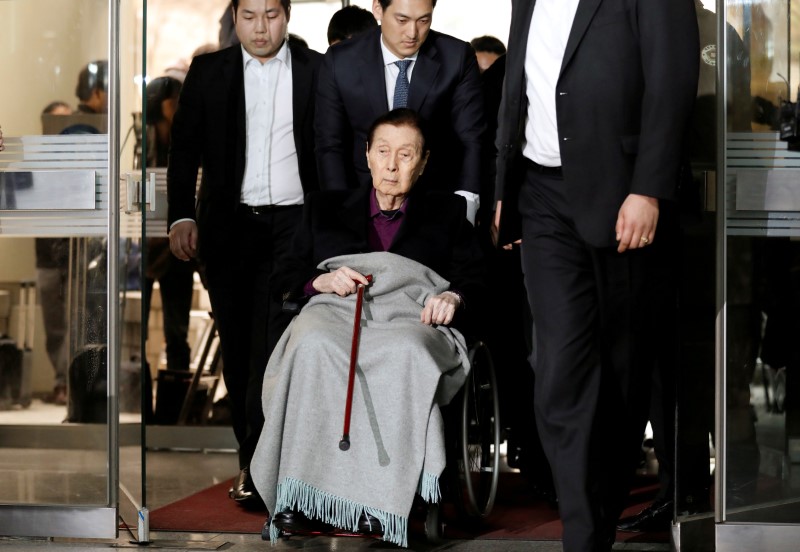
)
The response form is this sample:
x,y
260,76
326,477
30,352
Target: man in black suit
x,y
402,64
596,100
246,115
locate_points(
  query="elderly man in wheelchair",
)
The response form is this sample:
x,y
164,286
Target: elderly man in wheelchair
x,y
417,257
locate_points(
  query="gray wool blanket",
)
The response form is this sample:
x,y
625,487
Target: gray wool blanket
x,y
405,370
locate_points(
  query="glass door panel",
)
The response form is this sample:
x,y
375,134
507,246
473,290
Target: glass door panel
x,y
761,262
57,370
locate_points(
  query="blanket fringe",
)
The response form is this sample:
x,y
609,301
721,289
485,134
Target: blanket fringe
x,y
428,488
340,512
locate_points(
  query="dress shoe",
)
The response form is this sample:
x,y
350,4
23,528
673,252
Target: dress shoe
x,y
655,518
369,525
244,491
291,521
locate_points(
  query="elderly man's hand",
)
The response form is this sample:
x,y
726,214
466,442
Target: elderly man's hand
x,y
440,309
183,240
343,281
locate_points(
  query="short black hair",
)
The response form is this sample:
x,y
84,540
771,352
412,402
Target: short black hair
x,y
400,117
488,43
287,4
386,3
158,90
94,76
349,21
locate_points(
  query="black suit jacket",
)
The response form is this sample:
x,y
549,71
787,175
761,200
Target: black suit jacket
x,y
623,97
445,90
434,232
209,130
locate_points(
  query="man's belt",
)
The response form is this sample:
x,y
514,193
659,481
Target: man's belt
x,y
547,171
265,209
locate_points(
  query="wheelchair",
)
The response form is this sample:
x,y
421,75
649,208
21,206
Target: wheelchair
x,y
473,437
472,444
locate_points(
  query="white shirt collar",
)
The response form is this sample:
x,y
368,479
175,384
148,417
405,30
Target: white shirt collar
x,y
282,55
389,57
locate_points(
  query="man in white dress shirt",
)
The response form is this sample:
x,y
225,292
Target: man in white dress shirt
x,y
245,115
596,102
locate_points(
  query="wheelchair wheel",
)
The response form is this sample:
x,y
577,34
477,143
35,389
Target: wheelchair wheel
x,y
434,526
479,435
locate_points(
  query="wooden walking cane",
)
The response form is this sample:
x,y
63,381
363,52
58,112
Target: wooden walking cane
x,y
344,443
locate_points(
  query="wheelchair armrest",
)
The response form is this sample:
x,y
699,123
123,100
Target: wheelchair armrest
x,y
293,305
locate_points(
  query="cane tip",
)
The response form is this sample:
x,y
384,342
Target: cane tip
x,y
344,444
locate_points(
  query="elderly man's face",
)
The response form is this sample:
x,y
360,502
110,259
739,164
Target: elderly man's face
x,y
396,160
405,25
261,26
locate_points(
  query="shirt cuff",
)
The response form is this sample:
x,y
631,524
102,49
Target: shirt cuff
x,y
473,202
308,289
460,297
171,226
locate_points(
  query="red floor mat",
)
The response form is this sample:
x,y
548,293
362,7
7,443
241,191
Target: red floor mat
x,y
209,511
516,515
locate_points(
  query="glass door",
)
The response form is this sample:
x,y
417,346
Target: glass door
x,y
758,495
58,268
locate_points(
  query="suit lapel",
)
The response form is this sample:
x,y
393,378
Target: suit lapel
x,y
521,24
301,98
410,221
233,73
353,214
402,232
373,76
424,74
522,13
583,16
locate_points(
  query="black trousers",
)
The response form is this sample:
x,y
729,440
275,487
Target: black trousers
x,y
248,316
177,288
683,382
594,314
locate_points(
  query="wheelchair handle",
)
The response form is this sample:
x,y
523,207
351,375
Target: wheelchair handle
x,y
344,443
